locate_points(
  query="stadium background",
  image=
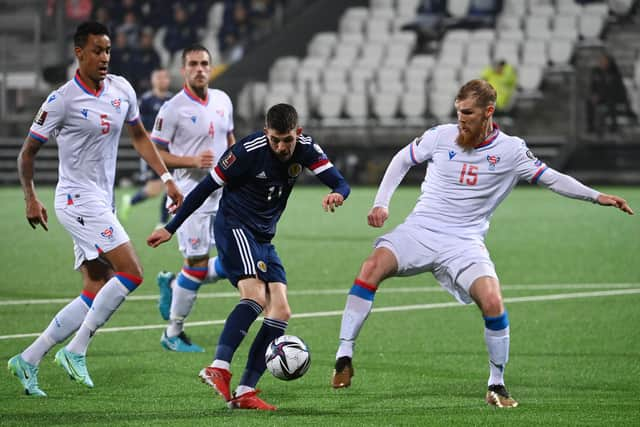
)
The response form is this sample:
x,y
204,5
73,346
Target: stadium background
x,y
569,269
366,77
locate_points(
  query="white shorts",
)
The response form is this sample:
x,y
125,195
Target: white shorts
x,y
195,235
456,262
94,229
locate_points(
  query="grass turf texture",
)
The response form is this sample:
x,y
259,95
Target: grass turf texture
x,y
573,361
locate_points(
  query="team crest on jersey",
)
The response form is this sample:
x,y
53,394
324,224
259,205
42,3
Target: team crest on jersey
x,y
220,113
107,233
41,117
262,266
227,160
295,169
158,125
116,104
493,161
194,242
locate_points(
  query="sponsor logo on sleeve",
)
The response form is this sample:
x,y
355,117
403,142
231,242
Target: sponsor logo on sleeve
x,y
531,155
41,117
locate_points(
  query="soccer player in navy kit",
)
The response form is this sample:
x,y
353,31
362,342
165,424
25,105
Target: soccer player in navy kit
x,y
257,174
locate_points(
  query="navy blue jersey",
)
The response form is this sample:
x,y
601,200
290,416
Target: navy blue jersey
x,y
257,184
149,107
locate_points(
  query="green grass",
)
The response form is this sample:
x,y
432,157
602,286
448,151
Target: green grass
x,y
574,361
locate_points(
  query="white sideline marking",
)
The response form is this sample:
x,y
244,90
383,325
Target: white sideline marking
x,y
531,298
344,291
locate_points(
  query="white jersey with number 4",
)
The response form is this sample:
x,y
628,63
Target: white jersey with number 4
x,y
186,126
462,189
87,126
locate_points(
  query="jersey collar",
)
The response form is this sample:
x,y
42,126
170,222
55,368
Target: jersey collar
x,y
86,88
195,97
492,137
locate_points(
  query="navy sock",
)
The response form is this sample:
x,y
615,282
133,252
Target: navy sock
x,y
256,365
164,213
236,327
140,196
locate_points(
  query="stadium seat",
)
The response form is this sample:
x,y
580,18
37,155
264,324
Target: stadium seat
x,y
334,80
397,55
407,8
620,7
330,105
514,8
413,105
372,53
511,35
590,26
441,105
416,78
445,78
458,8
537,27
356,106
322,44
360,78
385,105
378,30
459,35
565,27
273,98
452,54
407,38
350,25
569,8
529,78
381,4
422,61
484,34
284,69
478,53
470,72
507,50
534,52
346,53
560,52
548,10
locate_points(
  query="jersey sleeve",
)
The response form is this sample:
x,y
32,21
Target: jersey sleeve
x,y
133,113
164,128
528,167
422,148
49,118
313,157
230,124
232,166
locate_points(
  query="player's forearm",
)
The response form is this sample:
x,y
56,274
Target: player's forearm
x,y
393,176
193,201
26,160
179,162
567,186
150,154
333,179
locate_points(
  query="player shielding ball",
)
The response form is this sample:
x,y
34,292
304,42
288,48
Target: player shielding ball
x,y
472,167
257,175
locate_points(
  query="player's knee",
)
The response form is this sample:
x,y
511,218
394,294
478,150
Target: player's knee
x,y
279,312
370,270
492,304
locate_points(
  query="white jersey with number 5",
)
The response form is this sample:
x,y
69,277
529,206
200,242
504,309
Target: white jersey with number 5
x,y
87,126
186,126
462,189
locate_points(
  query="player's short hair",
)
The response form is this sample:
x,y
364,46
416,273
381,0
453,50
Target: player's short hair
x,y
282,118
481,90
194,48
91,27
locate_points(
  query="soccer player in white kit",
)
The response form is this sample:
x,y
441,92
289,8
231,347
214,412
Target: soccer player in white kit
x,y
192,130
472,167
86,115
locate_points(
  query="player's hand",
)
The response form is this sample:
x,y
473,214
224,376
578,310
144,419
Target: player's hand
x,y
36,214
618,202
377,216
331,201
205,159
158,237
175,195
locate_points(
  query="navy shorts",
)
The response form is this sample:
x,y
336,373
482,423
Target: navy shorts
x,y
243,257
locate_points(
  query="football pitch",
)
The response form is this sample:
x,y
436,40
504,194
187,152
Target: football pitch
x,y
570,273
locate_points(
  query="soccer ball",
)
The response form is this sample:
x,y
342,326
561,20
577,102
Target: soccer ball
x,y
287,357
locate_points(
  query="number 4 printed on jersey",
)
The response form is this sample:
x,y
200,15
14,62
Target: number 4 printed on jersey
x,y
470,173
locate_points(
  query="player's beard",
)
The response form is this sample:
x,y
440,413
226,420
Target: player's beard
x,y
468,141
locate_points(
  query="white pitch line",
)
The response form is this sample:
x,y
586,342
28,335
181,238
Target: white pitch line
x,y
344,291
531,298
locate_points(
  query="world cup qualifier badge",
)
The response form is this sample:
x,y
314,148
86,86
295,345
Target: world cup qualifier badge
x,y
227,160
41,117
158,124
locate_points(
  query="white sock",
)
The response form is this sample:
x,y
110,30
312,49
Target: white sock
x,y
355,313
222,364
212,274
181,305
64,323
109,298
242,389
498,348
